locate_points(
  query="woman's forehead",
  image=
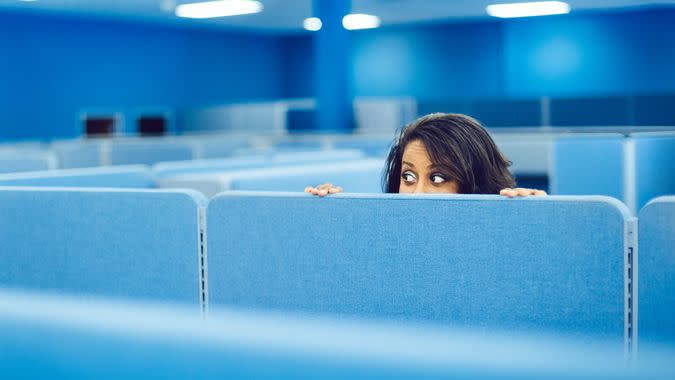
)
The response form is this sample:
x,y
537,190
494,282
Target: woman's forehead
x,y
416,153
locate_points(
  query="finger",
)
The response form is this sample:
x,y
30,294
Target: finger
x,y
315,191
522,192
334,190
540,193
308,189
508,193
322,192
325,186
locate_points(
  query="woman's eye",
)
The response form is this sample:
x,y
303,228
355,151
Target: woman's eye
x,y
408,177
437,179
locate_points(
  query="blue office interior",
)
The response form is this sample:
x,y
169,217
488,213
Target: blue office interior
x,y
602,68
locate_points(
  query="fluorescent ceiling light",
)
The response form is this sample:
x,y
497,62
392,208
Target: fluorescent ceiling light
x,y
539,8
312,24
360,21
220,8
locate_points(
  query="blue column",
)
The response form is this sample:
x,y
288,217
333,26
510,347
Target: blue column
x,y
332,83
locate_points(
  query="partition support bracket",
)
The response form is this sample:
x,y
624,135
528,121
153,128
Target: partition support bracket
x,y
630,285
203,272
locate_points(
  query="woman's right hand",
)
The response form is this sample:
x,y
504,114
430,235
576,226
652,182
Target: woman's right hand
x,y
323,190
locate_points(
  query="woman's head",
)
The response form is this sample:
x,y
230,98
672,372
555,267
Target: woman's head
x,y
446,153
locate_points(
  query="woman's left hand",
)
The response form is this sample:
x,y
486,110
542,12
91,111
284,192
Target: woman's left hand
x,y
521,192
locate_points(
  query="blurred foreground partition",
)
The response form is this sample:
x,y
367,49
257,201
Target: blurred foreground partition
x,y
70,338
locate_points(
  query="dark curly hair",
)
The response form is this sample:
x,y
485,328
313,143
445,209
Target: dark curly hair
x,y
459,146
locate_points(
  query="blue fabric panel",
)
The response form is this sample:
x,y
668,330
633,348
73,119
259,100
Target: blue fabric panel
x,y
25,161
220,146
371,147
270,159
298,158
294,145
133,176
127,153
168,169
266,151
529,153
74,339
588,165
354,176
554,264
656,272
82,154
654,166
140,243
596,111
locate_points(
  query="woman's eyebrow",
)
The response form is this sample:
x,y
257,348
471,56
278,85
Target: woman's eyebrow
x,y
409,164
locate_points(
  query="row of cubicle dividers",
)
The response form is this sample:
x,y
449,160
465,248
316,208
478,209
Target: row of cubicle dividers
x,y
633,168
558,264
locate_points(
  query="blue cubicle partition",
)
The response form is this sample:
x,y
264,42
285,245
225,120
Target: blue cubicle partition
x,y
654,165
71,338
73,154
656,272
26,160
149,152
311,157
298,145
175,168
217,146
263,159
589,164
352,175
556,264
529,154
102,242
634,169
131,176
372,147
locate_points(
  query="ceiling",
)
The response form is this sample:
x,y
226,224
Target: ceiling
x,y
285,16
